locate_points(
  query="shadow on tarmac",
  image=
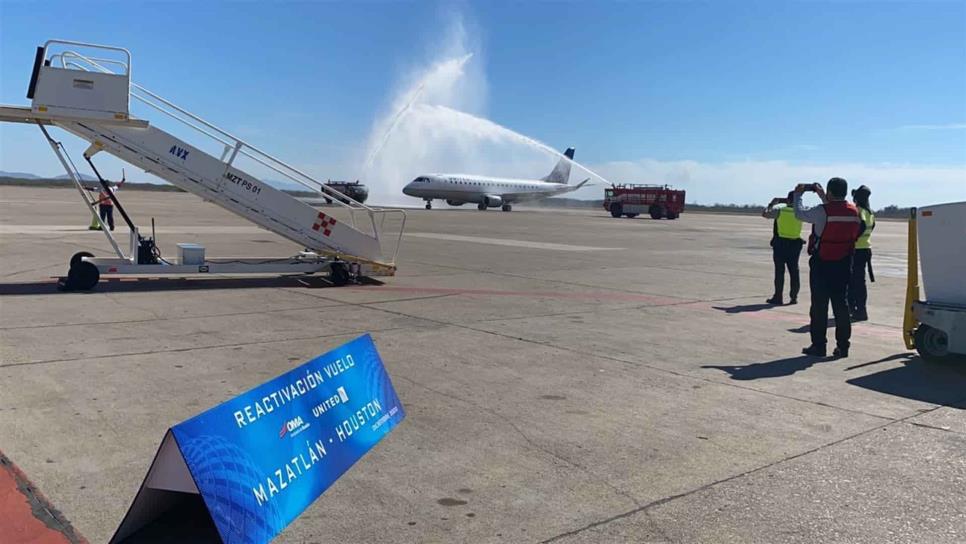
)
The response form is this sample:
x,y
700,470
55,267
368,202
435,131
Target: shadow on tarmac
x,y
141,285
942,383
745,308
808,327
771,369
933,382
904,357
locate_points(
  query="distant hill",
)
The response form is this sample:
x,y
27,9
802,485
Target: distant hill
x,y
284,185
18,175
63,182
25,175
84,177
889,212
31,180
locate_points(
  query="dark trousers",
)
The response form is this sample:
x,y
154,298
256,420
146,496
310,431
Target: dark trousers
x,y
858,294
107,215
829,281
785,254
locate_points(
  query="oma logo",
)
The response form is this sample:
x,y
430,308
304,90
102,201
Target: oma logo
x,y
290,425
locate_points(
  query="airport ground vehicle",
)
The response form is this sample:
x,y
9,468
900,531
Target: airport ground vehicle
x,y
936,326
355,190
632,200
81,95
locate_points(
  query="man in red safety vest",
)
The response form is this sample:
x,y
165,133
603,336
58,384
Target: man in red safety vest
x,y
836,226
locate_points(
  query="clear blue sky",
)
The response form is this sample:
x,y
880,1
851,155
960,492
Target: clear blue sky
x,y
867,83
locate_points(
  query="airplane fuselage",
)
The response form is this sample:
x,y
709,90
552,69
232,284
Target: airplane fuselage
x,y
488,191
460,188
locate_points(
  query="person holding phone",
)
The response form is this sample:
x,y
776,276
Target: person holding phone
x,y
836,226
786,246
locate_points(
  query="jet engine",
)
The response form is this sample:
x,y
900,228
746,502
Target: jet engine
x,y
493,201
455,203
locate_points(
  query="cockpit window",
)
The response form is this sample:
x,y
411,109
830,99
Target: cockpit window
x,y
420,180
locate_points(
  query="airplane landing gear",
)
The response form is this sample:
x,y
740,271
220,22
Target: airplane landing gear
x,y
429,204
506,207
481,206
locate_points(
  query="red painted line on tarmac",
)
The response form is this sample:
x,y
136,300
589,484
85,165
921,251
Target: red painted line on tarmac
x,y
631,297
26,516
878,331
864,329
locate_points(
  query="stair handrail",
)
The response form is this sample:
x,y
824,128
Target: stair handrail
x,y
236,145
313,184
127,54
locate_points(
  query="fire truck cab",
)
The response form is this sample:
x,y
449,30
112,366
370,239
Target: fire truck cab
x,y
630,200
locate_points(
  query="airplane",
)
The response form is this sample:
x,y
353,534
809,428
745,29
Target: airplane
x,y
486,192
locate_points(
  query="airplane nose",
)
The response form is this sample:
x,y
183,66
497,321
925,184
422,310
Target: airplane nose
x,y
408,189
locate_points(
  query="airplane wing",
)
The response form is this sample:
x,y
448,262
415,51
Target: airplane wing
x,y
571,188
524,196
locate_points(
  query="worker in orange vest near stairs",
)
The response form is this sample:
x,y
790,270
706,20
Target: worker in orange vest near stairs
x,y
105,205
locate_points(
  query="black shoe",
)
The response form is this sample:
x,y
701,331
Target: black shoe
x,y
840,353
793,300
775,300
814,351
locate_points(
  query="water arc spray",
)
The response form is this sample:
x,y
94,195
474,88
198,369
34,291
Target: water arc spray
x,y
428,128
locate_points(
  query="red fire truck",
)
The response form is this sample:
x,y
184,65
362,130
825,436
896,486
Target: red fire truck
x,y
632,200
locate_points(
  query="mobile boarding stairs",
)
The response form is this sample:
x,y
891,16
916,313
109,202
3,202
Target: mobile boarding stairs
x,y
89,96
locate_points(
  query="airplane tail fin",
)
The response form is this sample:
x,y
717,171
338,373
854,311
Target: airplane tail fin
x,y
561,172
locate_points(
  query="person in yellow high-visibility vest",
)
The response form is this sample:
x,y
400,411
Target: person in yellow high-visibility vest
x,y
858,294
786,244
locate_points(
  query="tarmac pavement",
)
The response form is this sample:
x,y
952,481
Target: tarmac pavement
x,y
567,377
